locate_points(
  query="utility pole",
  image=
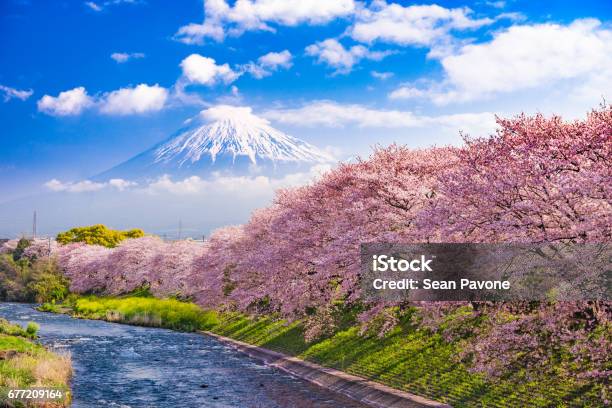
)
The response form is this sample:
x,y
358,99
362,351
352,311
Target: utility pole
x,y
34,225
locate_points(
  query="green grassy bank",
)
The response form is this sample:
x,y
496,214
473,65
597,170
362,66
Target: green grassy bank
x,y
142,311
25,364
409,357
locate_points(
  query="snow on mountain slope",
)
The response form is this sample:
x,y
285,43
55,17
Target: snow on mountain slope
x,y
236,131
231,140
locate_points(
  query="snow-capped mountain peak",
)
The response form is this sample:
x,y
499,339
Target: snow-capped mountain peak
x,y
222,139
236,131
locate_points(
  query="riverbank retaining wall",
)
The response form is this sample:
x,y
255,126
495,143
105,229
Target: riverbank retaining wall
x,y
357,388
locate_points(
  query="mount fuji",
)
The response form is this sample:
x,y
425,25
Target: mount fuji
x,y
189,177
222,140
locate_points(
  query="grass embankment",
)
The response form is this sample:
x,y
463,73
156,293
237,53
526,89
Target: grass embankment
x,y
141,311
25,364
409,358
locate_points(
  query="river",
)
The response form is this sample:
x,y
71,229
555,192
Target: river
x,y
127,366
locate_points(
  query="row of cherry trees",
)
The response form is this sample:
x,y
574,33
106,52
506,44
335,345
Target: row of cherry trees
x,y
537,179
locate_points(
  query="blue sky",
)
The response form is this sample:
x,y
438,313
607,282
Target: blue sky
x,y
343,75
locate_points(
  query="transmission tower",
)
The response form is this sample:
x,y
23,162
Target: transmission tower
x,y
34,225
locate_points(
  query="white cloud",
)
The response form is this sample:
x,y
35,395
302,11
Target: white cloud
x,y
421,25
189,185
268,63
478,124
121,184
181,97
101,6
242,185
122,57
67,103
221,19
273,60
93,6
192,185
140,99
333,53
381,75
497,4
77,187
407,92
332,114
10,93
203,70
526,57
87,185
212,27
220,112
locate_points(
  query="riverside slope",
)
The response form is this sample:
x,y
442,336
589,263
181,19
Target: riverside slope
x,y
360,389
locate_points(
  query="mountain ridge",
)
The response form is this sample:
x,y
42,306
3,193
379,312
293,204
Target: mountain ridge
x,y
231,140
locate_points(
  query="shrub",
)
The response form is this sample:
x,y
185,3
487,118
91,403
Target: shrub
x,y
16,330
32,329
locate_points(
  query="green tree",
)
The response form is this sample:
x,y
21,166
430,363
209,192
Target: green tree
x,y
47,284
21,247
97,235
14,276
24,281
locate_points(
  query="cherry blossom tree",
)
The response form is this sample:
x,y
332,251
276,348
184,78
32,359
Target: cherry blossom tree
x,y
211,276
171,268
9,246
132,263
41,248
537,180
86,266
308,242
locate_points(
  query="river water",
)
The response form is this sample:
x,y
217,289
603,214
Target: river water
x,y
126,366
